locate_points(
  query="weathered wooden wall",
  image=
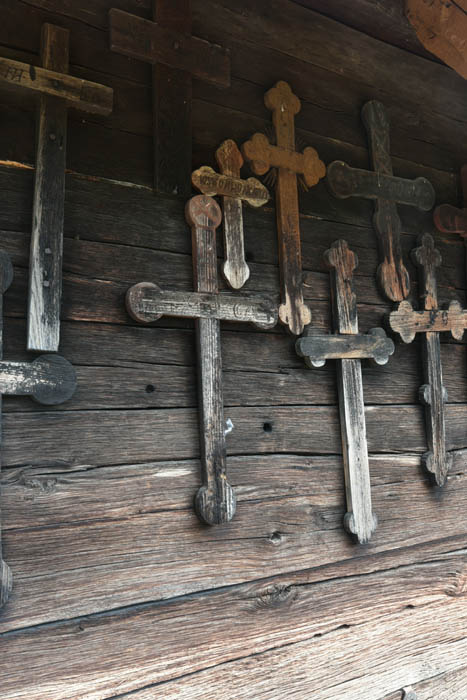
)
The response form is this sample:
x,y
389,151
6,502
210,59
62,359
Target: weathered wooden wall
x,y
119,590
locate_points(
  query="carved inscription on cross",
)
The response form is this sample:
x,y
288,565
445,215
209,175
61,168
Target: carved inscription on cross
x,y
348,347
49,379
449,219
263,155
233,190
215,500
167,43
431,321
387,191
57,91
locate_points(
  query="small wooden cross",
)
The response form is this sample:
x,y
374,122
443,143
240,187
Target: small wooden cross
x,y
49,379
284,105
57,91
431,321
145,302
387,191
449,219
233,190
167,43
349,348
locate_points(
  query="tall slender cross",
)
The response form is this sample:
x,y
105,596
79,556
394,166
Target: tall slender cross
x,y
283,156
57,91
449,219
49,379
349,347
177,56
431,321
387,191
233,191
215,500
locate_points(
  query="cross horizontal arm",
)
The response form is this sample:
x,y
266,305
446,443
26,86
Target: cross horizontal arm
x,y
49,379
345,181
78,93
148,41
407,322
263,155
316,349
252,191
449,219
146,302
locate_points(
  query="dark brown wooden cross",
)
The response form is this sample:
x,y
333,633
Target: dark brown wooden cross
x,y
49,379
233,191
215,500
431,321
348,347
387,191
449,219
283,156
57,91
177,56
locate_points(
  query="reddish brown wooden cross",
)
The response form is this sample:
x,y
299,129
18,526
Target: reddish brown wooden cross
x,y
177,57
263,155
449,219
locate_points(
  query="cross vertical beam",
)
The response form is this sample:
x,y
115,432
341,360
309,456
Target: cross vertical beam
x,y
348,347
146,302
386,190
430,321
284,105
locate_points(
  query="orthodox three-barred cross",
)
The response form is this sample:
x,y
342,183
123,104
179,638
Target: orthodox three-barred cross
x,y
431,321
57,91
263,155
349,347
177,56
387,191
233,191
49,379
449,219
146,302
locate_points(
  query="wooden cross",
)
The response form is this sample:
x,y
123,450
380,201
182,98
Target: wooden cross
x,y
387,191
57,91
449,219
284,105
177,56
233,190
431,321
49,379
215,500
349,348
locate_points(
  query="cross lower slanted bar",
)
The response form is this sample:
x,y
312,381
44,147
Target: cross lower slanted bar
x,y
387,191
349,348
215,500
49,379
431,321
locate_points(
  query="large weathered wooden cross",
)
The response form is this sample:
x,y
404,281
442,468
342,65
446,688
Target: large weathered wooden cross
x,y
233,191
431,321
449,219
283,156
57,91
349,347
49,379
387,191
146,302
167,43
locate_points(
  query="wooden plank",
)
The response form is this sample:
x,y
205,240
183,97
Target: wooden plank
x,y
307,620
79,93
146,302
155,43
46,253
284,105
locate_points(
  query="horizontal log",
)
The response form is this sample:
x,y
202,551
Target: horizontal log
x,y
82,94
309,620
134,532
